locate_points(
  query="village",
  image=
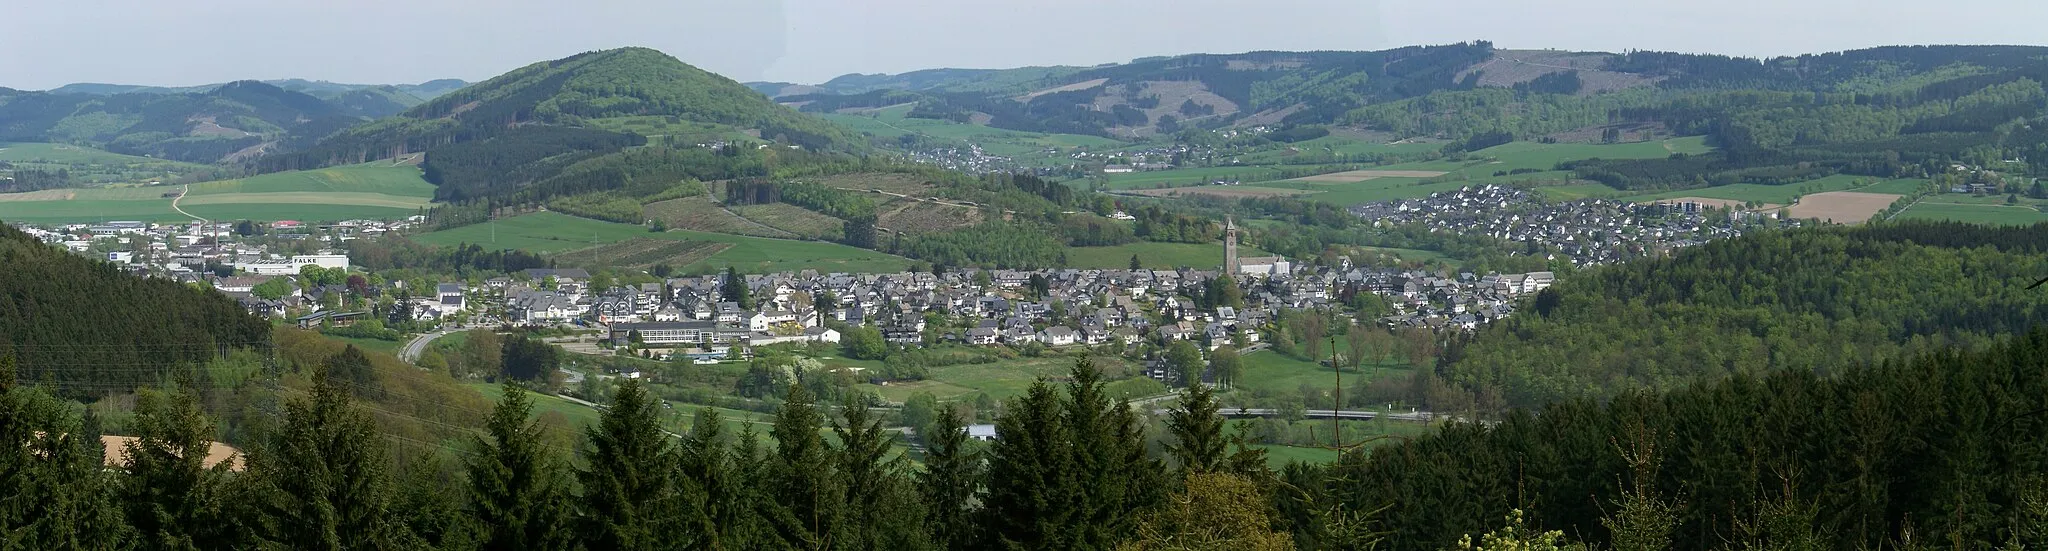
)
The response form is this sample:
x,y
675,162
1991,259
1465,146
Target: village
x,y
1587,231
698,316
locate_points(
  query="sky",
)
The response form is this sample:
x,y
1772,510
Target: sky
x,y
49,43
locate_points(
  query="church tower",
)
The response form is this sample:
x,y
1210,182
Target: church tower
x,y
1229,246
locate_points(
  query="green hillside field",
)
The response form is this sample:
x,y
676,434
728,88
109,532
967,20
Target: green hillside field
x,y
371,191
551,232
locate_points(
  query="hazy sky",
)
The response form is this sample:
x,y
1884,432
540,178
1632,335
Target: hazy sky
x,y
182,42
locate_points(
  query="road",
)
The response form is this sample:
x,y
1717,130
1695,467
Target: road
x,y
187,188
412,351
1415,416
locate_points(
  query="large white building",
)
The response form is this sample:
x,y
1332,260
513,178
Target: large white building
x,y
292,265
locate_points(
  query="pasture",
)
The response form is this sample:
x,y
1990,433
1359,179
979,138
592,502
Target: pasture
x,y
1227,192
1353,176
1272,372
1978,214
1844,207
551,232
1784,194
379,178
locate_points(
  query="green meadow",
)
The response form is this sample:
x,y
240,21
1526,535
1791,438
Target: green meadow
x,y
551,232
1979,214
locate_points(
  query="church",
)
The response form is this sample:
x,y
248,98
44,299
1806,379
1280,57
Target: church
x,y
1261,266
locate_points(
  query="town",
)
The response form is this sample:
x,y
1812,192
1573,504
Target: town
x,y
721,315
1587,231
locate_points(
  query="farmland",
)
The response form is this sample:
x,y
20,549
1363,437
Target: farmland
x,y
377,191
1000,380
642,252
1026,147
93,166
1784,194
700,213
368,179
1845,207
549,232
793,219
1981,214
89,205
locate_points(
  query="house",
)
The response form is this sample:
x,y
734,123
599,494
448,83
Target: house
x,y
450,295
985,433
1059,335
984,336
821,334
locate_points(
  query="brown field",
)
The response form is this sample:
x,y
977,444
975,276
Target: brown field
x,y
1229,192
1846,207
700,214
1350,176
793,219
915,217
1715,203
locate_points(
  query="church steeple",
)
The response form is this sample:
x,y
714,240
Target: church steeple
x,y
1229,246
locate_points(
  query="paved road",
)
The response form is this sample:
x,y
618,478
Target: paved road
x,y
412,351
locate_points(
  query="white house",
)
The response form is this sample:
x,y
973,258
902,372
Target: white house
x,y
821,334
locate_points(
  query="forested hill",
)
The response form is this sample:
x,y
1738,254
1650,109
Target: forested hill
x,y
588,91
201,126
1947,448
1817,300
84,325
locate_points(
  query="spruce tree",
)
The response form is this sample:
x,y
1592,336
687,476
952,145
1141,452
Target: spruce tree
x,y
807,486
881,510
321,478
730,516
1115,477
950,482
1031,480
518,488
63,497
169,493
630,500
1197,431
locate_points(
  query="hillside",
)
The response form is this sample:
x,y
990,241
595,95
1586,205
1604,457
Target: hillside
x,y
200,126
1806,300
57,308
1870,456
553,128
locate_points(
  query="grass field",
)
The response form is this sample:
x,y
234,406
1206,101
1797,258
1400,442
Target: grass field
x,y
1274,372
550,232
371,191
1185,176
1576,192
1783,194
372,178
1981,214
373,345
90,166
1001,380
1154,255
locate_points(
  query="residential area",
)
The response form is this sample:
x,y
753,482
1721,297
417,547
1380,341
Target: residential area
x,y
1587,231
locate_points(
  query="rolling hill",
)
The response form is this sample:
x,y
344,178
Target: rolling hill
x,y
201,126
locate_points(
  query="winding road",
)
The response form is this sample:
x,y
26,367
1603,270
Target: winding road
x,y
187,188
413,349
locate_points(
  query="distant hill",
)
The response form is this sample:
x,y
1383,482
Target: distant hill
x,y
199,126
530,124
319,88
